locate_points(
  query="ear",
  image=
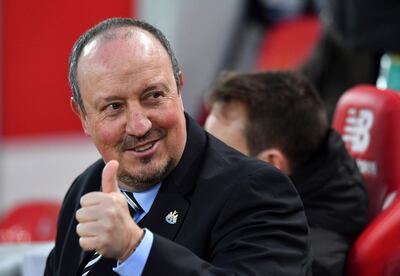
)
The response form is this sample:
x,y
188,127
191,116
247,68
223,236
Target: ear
x,y
180,88
77,110
181,81
275,157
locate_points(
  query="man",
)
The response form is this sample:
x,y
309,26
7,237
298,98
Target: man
x,y
279,118
199,207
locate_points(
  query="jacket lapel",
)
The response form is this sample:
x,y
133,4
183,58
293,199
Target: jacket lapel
x,y
173,199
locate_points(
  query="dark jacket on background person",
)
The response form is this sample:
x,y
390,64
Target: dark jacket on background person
x,y
237,216
336,202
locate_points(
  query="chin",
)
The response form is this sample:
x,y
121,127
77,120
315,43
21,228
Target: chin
x,y
146,175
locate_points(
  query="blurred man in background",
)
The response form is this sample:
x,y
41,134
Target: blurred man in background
x,y
279,118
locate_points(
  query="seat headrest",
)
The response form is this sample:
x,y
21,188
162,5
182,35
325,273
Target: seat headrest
x,y
369,121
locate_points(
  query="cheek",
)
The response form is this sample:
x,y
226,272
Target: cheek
x,y
170,120
106,136
241,145
174,122
171,116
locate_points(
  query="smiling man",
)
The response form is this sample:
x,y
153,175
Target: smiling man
x,y
171,199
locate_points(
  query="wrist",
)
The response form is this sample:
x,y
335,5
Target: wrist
x,y
132,247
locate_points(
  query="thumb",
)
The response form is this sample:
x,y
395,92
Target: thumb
x,y
109,182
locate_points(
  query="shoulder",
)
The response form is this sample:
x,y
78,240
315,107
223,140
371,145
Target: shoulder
x,y
250,199
333,182
227,169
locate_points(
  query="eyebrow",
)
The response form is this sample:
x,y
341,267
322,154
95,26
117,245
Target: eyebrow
x,y
155,87
100,101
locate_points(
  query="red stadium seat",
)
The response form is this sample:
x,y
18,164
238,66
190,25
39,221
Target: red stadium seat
x,y
368,120
276,51
33,221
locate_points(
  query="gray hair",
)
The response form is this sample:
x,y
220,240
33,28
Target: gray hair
x,y
102,27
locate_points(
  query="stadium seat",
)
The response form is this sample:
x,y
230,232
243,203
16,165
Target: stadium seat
x,y
276,50
368,120
28,222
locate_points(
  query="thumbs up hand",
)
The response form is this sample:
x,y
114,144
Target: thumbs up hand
x,y
104,222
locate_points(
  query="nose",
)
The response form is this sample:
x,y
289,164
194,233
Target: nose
x,y
138,124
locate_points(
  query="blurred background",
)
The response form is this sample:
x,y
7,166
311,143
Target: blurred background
x,y
336,43
42,148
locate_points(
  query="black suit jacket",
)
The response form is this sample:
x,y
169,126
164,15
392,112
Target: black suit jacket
x,y
236,216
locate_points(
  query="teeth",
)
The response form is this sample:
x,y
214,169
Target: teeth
x,y
143,148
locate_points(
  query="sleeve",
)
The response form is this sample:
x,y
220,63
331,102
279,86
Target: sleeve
x,y
261,230
134,265
49,269
65,224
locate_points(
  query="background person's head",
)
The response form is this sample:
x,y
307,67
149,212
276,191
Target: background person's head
x,y
275,116
126,90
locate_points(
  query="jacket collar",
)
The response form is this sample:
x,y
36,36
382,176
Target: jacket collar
x,y
320,166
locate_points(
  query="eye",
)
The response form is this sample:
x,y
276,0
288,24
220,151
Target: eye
x,y
156,94
112,108
115,106
153,97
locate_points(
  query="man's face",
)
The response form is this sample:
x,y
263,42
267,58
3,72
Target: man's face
x,y
133,110
227,122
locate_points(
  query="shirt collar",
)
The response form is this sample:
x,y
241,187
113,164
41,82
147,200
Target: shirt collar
x,y
146,198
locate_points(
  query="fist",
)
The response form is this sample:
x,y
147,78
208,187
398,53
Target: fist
x,y
104,222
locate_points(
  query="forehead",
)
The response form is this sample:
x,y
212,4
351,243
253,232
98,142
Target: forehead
x,y
122,46
227,121
230,111
227,116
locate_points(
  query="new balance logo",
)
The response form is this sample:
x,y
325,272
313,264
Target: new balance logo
x,y
357,129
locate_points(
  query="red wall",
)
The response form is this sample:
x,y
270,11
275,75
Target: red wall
x,y
37,37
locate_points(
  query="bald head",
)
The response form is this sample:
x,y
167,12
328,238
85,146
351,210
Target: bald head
x,y
117,45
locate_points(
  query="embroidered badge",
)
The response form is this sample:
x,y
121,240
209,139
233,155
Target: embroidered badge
x,y
172,217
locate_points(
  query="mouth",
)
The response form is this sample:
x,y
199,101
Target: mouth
x,y
144,150
144,147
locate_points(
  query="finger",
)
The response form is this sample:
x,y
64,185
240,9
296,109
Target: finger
x,y
87,229
86,214
92,198
88,243
109,182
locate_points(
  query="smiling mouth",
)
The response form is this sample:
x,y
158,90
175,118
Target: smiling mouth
x,y
144,147
144,144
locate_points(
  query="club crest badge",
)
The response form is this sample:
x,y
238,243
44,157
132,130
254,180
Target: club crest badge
x,y
172,217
